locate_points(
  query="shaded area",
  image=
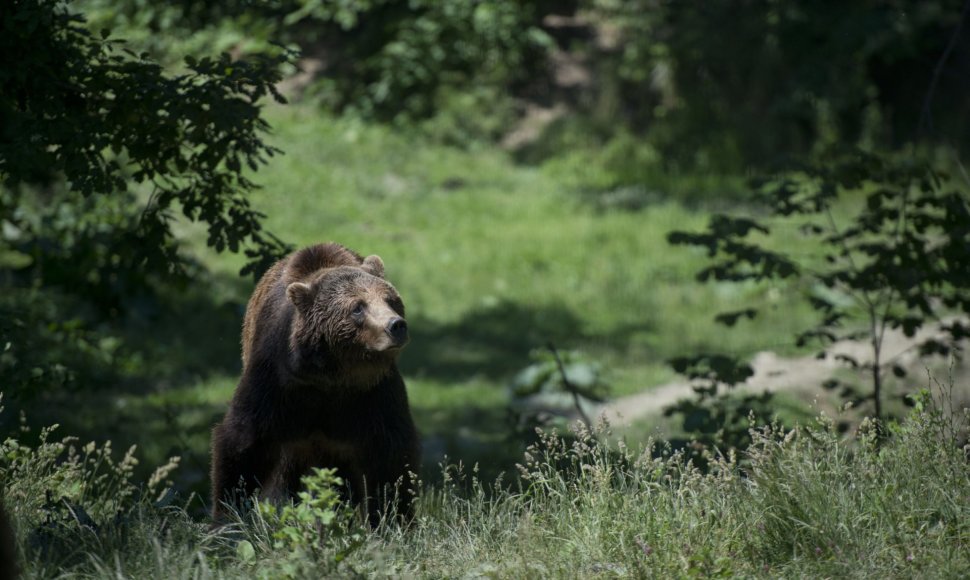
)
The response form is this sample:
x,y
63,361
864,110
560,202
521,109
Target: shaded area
x,y
474,435
491,342
179,362
171,363
190,335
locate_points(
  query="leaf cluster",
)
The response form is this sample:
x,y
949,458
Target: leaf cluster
x,y
320,528
714,418
903,258
84,108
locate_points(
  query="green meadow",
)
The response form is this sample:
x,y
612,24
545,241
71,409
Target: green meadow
x,y
494,259
520,167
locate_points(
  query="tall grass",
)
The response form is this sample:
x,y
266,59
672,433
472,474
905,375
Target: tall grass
x,y
801,503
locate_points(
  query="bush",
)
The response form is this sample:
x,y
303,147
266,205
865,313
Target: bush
x,y
737,84
392,58
317,532
71,501
385,59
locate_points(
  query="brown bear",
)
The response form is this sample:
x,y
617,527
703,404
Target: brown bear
x,y
320,385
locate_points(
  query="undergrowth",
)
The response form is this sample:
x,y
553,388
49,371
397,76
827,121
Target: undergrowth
x,y
801,502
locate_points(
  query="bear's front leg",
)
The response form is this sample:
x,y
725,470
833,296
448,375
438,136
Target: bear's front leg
x,y
241,464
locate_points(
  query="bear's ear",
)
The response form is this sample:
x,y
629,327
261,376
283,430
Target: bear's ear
x,y
373,265
300,295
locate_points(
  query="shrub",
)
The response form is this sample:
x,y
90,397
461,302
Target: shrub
x,y
317,532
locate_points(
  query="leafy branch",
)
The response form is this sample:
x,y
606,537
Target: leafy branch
x,y
900,262
84,108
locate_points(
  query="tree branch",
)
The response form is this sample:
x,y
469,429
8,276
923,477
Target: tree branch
x,y
569,386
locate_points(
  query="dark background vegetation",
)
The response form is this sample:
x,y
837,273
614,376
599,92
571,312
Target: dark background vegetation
x,y
133,133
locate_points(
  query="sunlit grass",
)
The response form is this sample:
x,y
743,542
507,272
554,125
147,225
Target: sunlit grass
x,y
495,259
464,234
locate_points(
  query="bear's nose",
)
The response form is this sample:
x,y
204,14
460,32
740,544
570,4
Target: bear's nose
x,y
397,328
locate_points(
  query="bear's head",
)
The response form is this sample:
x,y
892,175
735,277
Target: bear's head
x,y
348,320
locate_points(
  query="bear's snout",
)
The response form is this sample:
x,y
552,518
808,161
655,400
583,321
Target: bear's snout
x,y
397,329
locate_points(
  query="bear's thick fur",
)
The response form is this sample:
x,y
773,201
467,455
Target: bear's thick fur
x,y
320,385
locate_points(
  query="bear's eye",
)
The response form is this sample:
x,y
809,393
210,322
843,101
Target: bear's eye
x,y
358,309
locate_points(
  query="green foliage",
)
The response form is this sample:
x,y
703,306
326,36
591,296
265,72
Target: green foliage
x,y
48,346
790,77
69,500
901,261
716,418
318,528
100,149
170,30
783,78
394,56
83,107
383,58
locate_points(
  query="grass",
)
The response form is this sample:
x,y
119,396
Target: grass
x,y
802,503
493,259
486,251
